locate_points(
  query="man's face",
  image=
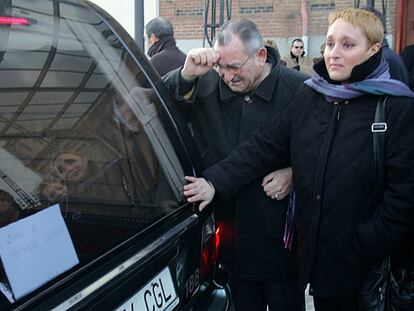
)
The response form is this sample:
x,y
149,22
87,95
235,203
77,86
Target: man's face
x,y
297,48
240,70
151,40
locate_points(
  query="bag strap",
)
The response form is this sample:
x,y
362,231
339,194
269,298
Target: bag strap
x,y
378,129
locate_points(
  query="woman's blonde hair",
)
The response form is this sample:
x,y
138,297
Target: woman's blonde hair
x,y
368,22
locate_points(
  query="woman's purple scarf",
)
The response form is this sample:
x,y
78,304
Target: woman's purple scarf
x,y
378,82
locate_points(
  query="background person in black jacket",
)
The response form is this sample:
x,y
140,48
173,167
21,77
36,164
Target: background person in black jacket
x,y
164,53
395,63
407,56
233,89
342,226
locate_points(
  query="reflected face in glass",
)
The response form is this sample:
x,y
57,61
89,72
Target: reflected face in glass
x,y
346,47
54,190
6,204
129,116
70,167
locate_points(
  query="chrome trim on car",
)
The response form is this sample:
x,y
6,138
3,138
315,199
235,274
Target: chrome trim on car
x,y
146,251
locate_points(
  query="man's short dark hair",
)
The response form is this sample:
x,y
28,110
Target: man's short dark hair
x,y
296,40
160,27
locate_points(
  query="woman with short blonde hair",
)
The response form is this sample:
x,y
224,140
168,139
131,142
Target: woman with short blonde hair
x,y
368,22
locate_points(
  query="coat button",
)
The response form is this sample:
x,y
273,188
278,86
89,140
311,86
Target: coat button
x,y
318,197
247,99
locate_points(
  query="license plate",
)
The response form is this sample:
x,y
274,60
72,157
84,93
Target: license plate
x,y
157,295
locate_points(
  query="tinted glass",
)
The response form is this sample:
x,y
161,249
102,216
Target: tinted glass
x,y
80,127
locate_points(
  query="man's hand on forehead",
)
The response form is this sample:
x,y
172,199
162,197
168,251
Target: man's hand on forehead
x,y
204,56
198,62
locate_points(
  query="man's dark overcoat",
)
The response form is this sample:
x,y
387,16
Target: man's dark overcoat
x,y
396,65
166,56
407,56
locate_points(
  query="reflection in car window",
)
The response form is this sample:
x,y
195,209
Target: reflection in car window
x,y
77,128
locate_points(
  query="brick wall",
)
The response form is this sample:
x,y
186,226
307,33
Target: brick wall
x,y
275,18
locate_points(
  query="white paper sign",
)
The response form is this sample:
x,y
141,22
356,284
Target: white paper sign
x,y
36,249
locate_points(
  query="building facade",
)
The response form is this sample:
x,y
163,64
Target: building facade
x,y
281,20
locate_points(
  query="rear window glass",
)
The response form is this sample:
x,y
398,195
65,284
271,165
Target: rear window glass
x,y
80,128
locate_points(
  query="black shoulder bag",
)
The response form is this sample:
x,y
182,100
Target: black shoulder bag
x,y
383,289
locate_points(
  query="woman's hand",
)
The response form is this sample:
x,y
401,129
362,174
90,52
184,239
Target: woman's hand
x,y
199,189
277,184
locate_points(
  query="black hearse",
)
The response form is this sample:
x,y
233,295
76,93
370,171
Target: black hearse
x,y
92,163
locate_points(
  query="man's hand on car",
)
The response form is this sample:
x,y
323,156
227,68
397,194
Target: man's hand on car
x,y
199,189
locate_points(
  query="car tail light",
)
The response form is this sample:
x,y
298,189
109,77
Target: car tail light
x,y
210,247
7,20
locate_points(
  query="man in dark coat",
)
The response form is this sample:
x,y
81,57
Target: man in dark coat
x,y
164,53
395,63
408,57
225,106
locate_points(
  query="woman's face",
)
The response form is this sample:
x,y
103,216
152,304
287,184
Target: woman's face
x,y
346,47
70,167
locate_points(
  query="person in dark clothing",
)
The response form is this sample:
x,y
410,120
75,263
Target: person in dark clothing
x,y
342,225
407,56
395,63
231,90
322,51
163,51
272,43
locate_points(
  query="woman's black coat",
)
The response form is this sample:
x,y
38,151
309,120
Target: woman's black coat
x,y
221,120
340,229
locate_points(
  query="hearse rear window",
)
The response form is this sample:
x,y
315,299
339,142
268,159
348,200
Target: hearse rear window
x,y
85,161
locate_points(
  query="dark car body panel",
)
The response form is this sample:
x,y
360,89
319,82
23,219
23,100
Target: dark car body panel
x,y
86,124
